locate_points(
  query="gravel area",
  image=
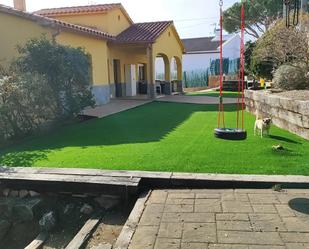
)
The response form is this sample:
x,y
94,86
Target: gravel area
x,y
296,94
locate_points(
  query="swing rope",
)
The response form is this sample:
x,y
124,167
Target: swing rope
x,y
241,79
241,76
221,105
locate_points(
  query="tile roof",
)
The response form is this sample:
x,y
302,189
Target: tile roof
x,y
203,44
53,23
146,32
78,9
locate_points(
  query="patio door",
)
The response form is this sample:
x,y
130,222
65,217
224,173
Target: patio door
x,y
117,78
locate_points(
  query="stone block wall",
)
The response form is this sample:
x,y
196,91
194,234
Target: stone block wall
x,y
288,114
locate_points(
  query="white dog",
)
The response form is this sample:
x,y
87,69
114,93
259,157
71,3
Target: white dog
x,y
263,125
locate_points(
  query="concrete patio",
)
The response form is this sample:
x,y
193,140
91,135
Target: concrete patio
x,y
224,219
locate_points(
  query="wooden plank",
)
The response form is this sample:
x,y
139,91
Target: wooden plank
x,y
94,172
38,241
84,233
104,180
128,230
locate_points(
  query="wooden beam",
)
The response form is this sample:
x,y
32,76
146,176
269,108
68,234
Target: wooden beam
x,y
84,233
128,230
38,241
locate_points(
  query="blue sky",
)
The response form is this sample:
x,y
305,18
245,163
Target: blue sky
x,y
193,18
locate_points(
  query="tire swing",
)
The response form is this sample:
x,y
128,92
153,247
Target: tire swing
x,y
222,132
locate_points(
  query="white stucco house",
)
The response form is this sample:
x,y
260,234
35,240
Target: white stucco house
x,y
201,51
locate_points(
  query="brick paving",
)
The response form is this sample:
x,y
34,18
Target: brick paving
x,y
224,219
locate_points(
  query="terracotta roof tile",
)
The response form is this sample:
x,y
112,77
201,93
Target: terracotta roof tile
x,y
143,32
53,23
78,9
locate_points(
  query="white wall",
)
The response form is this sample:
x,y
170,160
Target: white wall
x,y
193,62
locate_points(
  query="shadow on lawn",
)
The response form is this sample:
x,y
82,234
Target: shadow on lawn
x,y
22,159
283,139
149,123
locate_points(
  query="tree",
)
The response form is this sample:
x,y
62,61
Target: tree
x,y
282,45
66,69
260,15
47,82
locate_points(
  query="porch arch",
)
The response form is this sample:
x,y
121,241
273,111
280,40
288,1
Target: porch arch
x,y
162,65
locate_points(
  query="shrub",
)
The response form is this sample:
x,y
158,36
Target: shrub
x,y
47,83
66,69
291,77
281,45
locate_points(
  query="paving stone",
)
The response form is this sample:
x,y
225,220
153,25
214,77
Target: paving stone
x,y
234,225
194,246
297,224
266,247
178,208
268,226
254,191
174,195
297,245
285,210
255,238
199,232
286,198
227,246
170,230
144,237
208,196
236,207
207,205
264,208
154,208
266,223
235,197
150,218
180,201
164,243
188,217
291,237
233,217
158,197
264,198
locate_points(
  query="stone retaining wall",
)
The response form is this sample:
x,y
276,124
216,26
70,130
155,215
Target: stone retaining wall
x,y
289,114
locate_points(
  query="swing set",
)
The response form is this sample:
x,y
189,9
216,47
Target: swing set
x,y
238,133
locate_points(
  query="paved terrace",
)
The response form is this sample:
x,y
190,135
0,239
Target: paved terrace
x,y
224,219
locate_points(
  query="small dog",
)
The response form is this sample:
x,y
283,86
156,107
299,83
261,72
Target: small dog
x,y
263,125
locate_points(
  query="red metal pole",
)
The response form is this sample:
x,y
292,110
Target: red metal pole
x,y
243,60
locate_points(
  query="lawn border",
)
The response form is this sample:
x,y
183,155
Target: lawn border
x,y
152,179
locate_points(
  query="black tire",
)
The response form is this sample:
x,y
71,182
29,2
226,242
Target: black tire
x,y
230,134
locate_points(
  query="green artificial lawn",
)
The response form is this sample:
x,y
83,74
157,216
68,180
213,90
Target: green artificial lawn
x,y
163,137
214,94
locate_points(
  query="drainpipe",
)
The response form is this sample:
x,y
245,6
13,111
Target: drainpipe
x,y
55,34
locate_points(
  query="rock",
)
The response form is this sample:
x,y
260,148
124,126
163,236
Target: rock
x,y
4,209
102,246
23,193
13,193
86,209
4,228
34,194
6,192
48,222
108,201
25,210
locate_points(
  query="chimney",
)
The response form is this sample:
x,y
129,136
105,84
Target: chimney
x,y
20,5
